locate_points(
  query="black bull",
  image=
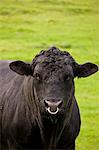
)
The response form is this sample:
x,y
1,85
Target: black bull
x,y
38,109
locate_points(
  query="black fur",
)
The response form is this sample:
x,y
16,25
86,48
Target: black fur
x,y
24,120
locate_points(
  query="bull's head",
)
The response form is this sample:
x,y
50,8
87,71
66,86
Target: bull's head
x,y
53,73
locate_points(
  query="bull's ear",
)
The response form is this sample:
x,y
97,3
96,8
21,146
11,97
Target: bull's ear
x,y
86,70
21,68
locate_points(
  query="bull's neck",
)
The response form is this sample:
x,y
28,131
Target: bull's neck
x,y
31,99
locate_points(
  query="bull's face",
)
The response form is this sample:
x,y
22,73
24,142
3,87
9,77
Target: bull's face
x,y
54,85
53,73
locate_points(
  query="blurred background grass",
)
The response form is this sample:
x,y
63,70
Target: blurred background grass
x,y
28,26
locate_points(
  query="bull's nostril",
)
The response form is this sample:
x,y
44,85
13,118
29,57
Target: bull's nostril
x,y
50,103
46,104
60,104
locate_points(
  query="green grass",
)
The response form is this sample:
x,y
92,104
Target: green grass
x,y
28,26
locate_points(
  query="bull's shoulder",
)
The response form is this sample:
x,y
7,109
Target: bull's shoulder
x,y
4,63
9,80
5,72
4,69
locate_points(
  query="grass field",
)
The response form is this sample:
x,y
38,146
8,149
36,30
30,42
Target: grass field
x,y
28,26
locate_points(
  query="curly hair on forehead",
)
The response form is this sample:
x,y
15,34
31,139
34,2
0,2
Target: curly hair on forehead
x,y
54,56
52,51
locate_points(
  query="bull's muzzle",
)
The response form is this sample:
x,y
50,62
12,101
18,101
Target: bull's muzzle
x,y
53,107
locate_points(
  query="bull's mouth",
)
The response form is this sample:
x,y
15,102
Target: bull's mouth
x,y
52,111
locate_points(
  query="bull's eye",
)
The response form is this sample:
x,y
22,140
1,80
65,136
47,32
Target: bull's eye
x,y
37,76
67,77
